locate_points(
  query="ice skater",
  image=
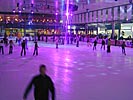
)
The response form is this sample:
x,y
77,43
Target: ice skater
x,y
77,41
123,48
103,44
57,42
26,43
36,49
11,44
89,43
95,44
108,46
2,47
23,48
42,85
6,41
71,39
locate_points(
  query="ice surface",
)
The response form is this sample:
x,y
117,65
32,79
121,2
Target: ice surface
x,y
78,73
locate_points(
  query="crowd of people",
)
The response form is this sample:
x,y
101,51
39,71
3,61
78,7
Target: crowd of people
x,y
70,39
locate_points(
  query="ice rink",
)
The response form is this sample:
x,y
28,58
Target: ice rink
x,y
78,73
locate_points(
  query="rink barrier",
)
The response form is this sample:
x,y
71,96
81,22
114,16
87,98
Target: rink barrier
x,y
119,42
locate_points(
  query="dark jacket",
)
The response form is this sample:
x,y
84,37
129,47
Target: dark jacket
x,y
42,85
23,44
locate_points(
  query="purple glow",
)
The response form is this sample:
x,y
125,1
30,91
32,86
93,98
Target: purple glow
x,y
32,2
56,13
14,11
67,14
20,11
32,11
56,4
71,14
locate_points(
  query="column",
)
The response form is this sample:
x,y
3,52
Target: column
x,y
119,31
113,30
24,27
86,28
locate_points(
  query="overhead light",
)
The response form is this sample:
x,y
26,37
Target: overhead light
x,y
19,11
32,11
14,11
67,14
56,13
24,8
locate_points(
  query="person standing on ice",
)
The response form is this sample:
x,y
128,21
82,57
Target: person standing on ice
x,y
42,85
23,48
123,48
103,44
57,42
26,43
108,46
77,41
95,44
36,49
11,44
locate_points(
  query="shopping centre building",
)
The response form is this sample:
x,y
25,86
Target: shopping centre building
x,y
112,17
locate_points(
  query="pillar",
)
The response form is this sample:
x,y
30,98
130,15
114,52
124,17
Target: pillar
x,y
97,28
113,30
24,27
119,31
86,28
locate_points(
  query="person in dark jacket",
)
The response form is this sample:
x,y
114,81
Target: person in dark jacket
x,y
103,44
95,44
42,85
123,48
35,49
108,46
23,48
11,44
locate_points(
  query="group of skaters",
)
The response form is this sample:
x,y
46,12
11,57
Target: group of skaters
x,y
23,45
23,42
103,45
3,43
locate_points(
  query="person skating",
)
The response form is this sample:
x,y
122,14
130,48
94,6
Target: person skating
x,y
36,49
42,85
77,41
89,43
11,44
123,48
2,47
108,46
26,43
95,44
57,42
103,44
23,48
71,39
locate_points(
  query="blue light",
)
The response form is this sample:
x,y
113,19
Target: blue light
x,y
77,0
88,1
